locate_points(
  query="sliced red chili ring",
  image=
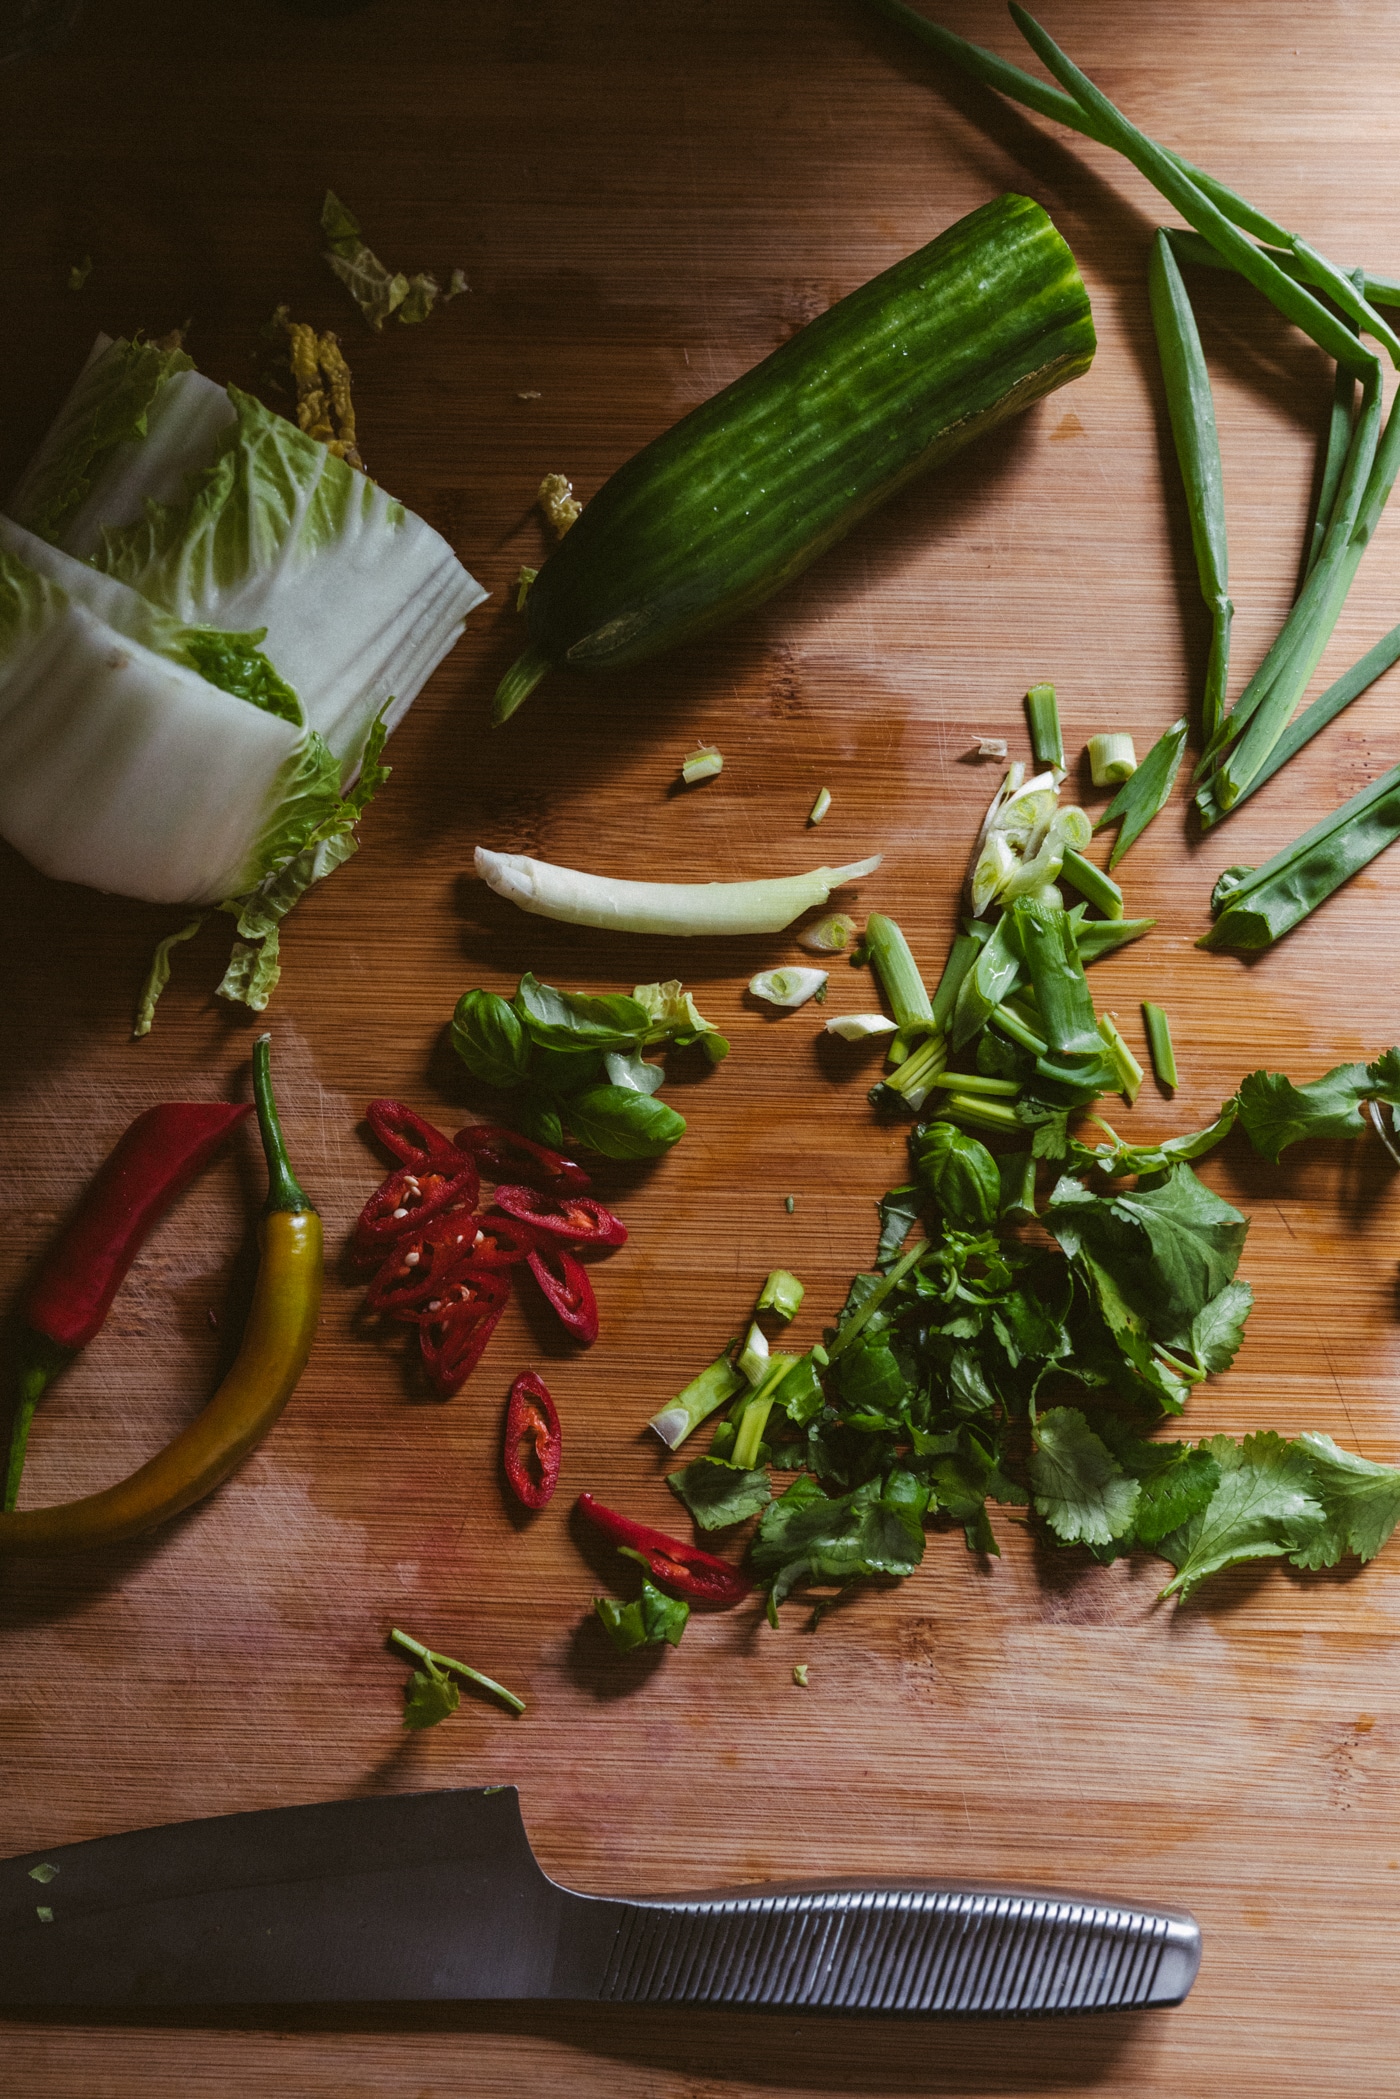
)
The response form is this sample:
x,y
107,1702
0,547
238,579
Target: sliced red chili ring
x,y
684,1568
412,1141
406,1201
416,1270
504,1155
576,1219
534,1445
453,1330
500,1242
565,1283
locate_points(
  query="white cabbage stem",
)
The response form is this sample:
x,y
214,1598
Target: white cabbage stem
x,y
684,908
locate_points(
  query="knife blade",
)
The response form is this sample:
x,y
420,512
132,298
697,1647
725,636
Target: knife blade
x,y
419,1896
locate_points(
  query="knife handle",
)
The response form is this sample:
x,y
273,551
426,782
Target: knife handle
x,y
901,1949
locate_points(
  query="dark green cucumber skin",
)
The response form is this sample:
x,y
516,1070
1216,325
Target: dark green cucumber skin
x,y
715,515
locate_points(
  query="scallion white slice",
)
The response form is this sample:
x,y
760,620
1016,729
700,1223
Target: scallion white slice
x,y
859,1027
787,987
702,764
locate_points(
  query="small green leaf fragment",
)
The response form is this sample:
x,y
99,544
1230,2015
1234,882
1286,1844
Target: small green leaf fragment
x,y
799,1673
79,274
43,1873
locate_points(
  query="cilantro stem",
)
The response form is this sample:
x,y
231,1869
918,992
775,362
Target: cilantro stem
x,y
428,1655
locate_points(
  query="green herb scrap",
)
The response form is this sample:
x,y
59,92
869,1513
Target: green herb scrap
x,y
576,1062
974,1369
431,1693
376,290
652,1619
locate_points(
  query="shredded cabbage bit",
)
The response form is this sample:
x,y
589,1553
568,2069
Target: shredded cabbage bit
x,y
557,500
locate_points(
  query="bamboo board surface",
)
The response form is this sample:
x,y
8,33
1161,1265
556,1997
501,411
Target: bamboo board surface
x,y
646,200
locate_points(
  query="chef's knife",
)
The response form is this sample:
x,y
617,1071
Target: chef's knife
x,y
438,1895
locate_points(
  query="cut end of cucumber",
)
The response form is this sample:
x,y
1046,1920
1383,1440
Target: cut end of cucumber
x,y
518,683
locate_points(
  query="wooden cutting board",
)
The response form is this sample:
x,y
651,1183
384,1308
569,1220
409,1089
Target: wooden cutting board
x,y
646,199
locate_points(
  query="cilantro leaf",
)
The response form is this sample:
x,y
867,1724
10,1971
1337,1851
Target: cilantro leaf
x,y
718,1493
1360,1503
1176,1481
1218,1328
1275,1113
1158,1254
429,1696
1080,1488
1265,1505
653,1618
808,1535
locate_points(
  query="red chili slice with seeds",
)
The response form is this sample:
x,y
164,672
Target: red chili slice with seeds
x,y
406,1201
577,1220
702,1576
504,1155
454,1330
409,1139
565,1283
534,1445
416,1270
499,1242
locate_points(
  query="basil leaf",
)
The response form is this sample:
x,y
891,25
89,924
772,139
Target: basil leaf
x,y
572,1020
488,1037
622,1124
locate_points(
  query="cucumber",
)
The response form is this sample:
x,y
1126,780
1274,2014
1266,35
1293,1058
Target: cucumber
x,y
715,515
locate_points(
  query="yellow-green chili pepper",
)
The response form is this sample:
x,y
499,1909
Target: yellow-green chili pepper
x,y
276,1343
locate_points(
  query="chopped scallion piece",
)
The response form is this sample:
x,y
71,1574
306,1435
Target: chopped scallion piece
x,y
1146,792
754,1359
799,1669
990,747
1124,1062
714,1387
782,1293
1047,743
831,935
702,764
522,586
754,1418
898,972
789,1203
981,1114
1159,1042
1112,759
859,1027
820,806
1093,884
788,987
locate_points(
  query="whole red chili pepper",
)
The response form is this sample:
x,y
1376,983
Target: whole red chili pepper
x,y
504,1155
577,1220
410,1140
406,1201
565,1283
534,1445
699,1575
67,1301
454,1329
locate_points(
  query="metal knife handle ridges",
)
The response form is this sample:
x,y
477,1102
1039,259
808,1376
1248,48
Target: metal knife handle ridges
x,y
420,1896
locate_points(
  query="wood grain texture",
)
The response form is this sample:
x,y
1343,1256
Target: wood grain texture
x,y
646,199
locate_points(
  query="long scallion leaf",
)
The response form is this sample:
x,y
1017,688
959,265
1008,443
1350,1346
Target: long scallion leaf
x,y
1352,683
1269,901
1143,796
1191,408
1339,428
1166,174
1192,247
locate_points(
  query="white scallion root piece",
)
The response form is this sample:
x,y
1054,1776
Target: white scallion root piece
x,y
788,987
683,908
859,1027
